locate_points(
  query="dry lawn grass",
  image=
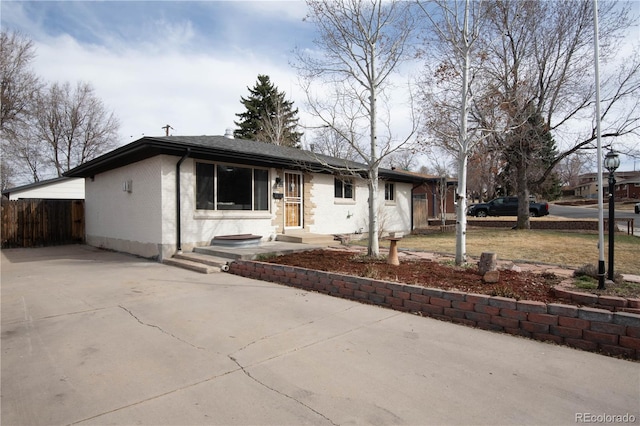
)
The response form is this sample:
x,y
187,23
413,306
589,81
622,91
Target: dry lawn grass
x,y
559,248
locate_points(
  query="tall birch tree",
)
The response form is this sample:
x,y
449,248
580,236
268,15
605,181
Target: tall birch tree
x,y
360,44
456,27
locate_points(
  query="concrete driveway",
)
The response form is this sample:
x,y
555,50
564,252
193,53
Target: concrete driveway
x,y
94,337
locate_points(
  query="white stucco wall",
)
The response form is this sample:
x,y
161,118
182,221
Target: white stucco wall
x,y
143,221
127,221
337,216
67,189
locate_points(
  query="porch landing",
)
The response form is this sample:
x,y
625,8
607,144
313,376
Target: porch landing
x,y
215,258
302,237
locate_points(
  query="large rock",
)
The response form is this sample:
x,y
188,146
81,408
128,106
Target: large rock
x,y
488,262
491,277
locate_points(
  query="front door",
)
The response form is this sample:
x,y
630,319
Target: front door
x,y
293,200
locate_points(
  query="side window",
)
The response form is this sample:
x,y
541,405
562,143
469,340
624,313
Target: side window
x,y
389,192
342,188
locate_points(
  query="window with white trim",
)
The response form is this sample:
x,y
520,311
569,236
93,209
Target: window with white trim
x,y
343,188
389,192
229,187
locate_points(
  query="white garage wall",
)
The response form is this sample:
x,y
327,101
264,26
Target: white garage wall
x,y
65,189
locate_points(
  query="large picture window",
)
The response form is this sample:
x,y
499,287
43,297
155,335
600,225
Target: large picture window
x,y
343,188
226,187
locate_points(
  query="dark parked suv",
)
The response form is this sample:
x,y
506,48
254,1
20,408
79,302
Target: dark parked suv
x,y
506,206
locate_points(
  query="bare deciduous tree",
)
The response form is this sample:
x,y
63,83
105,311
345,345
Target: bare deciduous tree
x,y
572,166
456,27
402,159
47,131
543,69
484,167
19,88
74,124
360,44
275,123
328,141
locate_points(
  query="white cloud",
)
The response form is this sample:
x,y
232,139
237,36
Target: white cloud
x,y
172,65
193,92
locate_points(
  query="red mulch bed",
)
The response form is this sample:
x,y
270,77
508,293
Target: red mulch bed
x,y
426,273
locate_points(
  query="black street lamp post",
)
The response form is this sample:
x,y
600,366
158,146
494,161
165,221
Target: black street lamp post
x,y
611,163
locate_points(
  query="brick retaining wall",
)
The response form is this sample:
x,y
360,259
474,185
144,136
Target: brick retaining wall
x,y
570,225
582,225
587,328
610,303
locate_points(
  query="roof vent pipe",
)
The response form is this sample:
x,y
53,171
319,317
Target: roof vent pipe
x,y
228,133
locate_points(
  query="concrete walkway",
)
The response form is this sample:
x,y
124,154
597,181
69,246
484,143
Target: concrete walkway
x,y
94,337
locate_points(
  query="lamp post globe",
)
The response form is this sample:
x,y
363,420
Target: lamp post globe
x,y
611,163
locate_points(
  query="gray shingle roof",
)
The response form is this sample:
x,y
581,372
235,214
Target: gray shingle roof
x,y
220,148
261,149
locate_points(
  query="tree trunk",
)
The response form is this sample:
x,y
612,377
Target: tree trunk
x,y
461,211
463,149
523,196
373,248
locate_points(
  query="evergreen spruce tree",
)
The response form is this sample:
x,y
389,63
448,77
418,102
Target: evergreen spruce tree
x,y
269,117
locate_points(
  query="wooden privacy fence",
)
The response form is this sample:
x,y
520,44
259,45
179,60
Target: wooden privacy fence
x,y
34,223
420,212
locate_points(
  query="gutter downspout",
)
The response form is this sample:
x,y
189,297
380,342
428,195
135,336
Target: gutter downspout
x,y
178,221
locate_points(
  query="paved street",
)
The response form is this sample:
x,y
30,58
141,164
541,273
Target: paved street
x,y
95,337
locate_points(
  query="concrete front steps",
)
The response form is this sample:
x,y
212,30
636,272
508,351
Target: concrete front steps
x,y
198,262
216,258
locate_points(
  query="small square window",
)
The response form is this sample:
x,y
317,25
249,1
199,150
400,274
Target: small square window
x,y
389,192
343,188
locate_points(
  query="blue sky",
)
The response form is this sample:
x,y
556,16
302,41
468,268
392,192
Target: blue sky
x,y
182,63
162,62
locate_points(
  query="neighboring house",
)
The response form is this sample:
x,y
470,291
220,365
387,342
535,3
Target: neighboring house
x,y
627,188
159,195
588,183
430,198
62,188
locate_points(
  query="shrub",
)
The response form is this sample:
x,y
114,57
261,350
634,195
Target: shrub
x,y
590,270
